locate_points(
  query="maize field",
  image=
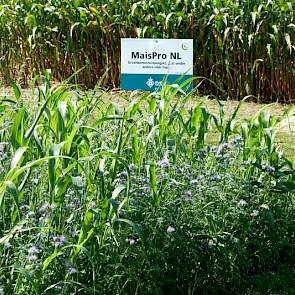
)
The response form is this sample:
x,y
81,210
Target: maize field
x,y
109,192
245,47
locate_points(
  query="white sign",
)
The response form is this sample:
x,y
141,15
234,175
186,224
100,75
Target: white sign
x,y
145,63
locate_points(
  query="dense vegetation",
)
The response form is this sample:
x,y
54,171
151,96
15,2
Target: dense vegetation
x,y
98,198
132,198
244,46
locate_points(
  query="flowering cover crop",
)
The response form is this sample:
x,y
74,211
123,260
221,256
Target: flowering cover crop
x,y
100,199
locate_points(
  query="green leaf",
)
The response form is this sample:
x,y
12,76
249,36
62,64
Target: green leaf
x,y
151,169
285,186
18,155
49,259
117,191
17,129
16,90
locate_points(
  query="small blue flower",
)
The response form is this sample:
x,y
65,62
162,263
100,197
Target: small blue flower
x,y
59,241
46,207
237,141
7,245
164,163
33,250
268,169
188,196
72,270
214,177
32,257
213,149
30,215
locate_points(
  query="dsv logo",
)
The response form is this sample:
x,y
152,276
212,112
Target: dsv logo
x,y
151,83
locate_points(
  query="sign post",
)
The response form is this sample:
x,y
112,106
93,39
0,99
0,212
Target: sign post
x,y
147,63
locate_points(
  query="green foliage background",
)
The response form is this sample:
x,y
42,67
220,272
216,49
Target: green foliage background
x,y
245,47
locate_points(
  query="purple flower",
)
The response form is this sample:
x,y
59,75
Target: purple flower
x,y
59,241
7,245
72,270
2,146
201,153
32,257
63,239
225,147
164,163
33,250
268,169
24,207
188,196
237,140
214,177
46,207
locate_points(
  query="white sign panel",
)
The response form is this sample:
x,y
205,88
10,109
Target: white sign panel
x,y
145,63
